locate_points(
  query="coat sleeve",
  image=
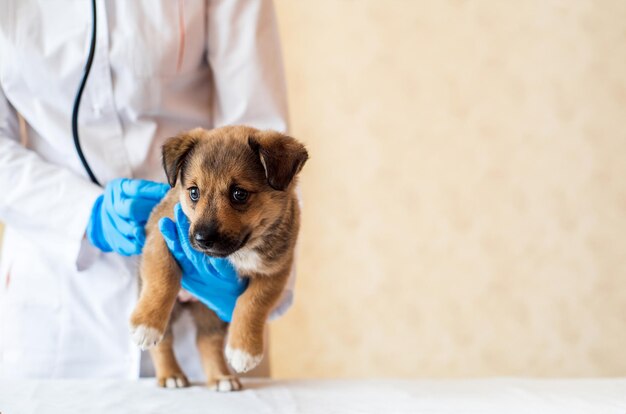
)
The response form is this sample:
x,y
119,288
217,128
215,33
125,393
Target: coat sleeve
x,y
36,195
243,51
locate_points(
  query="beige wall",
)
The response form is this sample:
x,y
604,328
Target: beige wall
x,y
465,202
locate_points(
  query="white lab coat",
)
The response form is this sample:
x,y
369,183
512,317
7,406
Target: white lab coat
x,y
160,67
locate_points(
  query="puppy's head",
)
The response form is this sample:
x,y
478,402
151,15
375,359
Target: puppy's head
x,y
234,182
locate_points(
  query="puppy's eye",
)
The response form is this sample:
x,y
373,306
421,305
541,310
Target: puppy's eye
x,y
239,195
194,193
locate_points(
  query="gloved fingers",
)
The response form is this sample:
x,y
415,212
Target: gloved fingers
x,y
126,246
170,234
94,230
232,287
198,259
222,280
222,312
113,201
128,237
168,230
191,277
224,269
135,208
140,236
122,226
182,224
144,189
209,285
110,232
194,284
224,316
135,199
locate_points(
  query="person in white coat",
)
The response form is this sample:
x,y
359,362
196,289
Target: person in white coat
x,y
159,67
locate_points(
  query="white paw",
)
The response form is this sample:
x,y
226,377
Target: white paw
x,y
225,384
240,360
174,382
145,336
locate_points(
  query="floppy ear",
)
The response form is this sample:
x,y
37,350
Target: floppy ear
x,y
175,151
281,156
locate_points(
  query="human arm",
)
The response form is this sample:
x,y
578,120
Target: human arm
x,y
37,195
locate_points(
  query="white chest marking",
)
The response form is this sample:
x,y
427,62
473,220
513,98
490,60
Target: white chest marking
x,y
247,260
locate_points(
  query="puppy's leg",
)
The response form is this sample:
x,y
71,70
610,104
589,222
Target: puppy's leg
x,y
160,277
245,347
168,372
211,333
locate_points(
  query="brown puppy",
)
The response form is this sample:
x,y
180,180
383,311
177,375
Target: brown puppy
x,y
236,186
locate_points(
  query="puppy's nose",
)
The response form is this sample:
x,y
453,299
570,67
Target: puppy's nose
x,y
206,236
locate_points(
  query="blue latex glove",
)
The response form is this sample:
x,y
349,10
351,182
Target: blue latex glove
x,y
119,215
212,280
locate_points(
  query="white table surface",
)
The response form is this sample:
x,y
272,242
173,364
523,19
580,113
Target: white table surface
x,y
501,396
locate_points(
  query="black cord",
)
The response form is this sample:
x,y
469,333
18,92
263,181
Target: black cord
x,y
79,95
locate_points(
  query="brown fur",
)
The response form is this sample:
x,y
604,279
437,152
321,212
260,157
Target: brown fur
x,y
265,163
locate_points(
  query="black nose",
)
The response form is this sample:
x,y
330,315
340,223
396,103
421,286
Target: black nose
x,y
207,236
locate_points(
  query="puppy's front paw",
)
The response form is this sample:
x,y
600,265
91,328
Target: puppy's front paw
x,y
145,336
240,360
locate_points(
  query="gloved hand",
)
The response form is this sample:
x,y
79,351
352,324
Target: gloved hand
x,y
118,216
212,280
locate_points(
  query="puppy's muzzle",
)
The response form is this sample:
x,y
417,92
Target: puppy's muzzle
x,y
210,241
206,237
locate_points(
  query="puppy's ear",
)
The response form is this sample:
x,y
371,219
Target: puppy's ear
x,y
175,151
281,156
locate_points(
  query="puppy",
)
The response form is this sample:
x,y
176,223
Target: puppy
x,y
236,186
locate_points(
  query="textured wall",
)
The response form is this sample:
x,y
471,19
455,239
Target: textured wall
x,y
465,203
